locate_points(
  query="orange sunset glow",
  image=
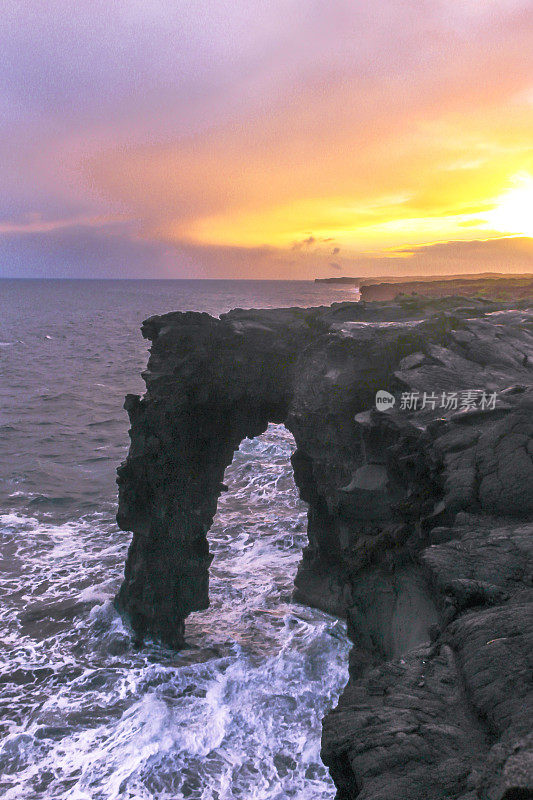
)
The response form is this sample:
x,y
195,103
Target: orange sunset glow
x,y
297,140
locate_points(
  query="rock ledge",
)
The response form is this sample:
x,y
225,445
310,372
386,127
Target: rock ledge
x,y
419,523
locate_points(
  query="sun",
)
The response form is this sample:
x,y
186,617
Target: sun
x,y
513,210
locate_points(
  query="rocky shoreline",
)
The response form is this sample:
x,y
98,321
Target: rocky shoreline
x,y
493,287
419,522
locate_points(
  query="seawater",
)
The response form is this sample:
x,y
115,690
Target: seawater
x,y
83,716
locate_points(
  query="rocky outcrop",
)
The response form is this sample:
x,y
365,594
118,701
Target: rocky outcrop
x,y
419,520
492,286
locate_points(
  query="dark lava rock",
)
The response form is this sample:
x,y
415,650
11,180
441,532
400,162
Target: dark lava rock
x,y
419,522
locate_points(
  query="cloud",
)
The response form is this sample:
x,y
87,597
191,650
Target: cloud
x,y
114,249
168,113
83,251
501,255
307,242
35,223
506,255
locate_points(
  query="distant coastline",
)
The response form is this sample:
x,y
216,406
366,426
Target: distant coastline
x,y
471,276
495,288
344,280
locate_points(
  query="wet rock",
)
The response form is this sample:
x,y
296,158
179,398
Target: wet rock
x,y
419,520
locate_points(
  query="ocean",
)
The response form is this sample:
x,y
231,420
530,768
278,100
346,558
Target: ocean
x,y
83,715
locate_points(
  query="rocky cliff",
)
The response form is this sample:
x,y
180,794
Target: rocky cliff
x,y
489,286
419,519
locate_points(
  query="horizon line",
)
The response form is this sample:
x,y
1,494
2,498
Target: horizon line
x,y
408,278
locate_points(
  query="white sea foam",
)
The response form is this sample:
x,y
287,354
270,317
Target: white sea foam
x,y
236,717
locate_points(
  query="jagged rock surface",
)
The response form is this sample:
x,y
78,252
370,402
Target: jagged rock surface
x,y
419,521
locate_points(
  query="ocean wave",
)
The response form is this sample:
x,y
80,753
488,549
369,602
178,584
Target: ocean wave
x,y
234,717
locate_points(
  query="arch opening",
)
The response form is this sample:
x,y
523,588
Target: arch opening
x,y
255,540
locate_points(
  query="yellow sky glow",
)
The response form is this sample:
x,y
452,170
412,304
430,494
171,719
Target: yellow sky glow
x,y
381,225
444,176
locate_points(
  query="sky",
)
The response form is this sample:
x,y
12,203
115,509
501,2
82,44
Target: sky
x,y
285,139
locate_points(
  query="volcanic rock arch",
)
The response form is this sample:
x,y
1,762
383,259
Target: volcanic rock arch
x,y
211,383
419,520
